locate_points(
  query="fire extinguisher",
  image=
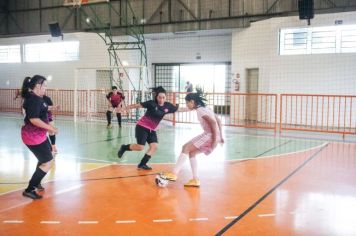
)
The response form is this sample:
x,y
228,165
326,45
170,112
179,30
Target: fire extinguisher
x,y
236,82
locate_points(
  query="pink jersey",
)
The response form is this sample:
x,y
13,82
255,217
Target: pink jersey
x,y
35,107
204,111
204,141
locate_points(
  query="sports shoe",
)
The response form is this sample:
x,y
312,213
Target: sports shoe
x,y
170,176
193,183
144,167
109,126
121,151
40,187
31,194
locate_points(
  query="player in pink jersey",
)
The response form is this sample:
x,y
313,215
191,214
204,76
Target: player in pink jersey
x,y
203,143
34,131
145,130
115,99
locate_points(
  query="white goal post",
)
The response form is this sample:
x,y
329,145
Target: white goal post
x,y
92,84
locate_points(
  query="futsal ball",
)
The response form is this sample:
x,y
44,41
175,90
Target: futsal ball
x,y
161,181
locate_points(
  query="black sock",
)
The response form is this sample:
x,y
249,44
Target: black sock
x,y
108,117
35,179
53,139
118,115
127,147
144,160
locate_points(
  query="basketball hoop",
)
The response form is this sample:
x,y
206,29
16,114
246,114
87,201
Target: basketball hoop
x,y
73,3
79,3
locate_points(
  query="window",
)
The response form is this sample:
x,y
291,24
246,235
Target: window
x,y
10,54
348,40
212,78
316,40
45,52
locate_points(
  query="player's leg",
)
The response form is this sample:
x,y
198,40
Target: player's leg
x,y
118,115
152,141
141,134
44,155
109,117
188,147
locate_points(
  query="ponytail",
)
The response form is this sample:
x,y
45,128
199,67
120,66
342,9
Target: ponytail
x,y
29,84
25,90
199,97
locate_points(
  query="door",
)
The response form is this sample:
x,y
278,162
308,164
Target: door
x,y
251,108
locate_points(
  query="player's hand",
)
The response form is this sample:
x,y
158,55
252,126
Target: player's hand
x,y
53,130
57,107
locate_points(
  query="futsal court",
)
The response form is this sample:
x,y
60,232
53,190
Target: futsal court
x,y
256,183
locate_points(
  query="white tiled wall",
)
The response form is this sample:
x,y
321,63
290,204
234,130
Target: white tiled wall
x,y
257,47
92,53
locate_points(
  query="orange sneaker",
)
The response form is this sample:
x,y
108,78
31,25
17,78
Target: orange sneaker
x,y
192,183
170,176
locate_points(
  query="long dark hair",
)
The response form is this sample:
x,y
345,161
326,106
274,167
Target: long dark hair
x,y
30,83
199,97
158,90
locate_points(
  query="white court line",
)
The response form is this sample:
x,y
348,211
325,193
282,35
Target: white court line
x,y
88,222
198,219
125,221
50,222
83,158
15,190
266,215
12,221
68,189
278,155
18,205
230,217
296,213
162,220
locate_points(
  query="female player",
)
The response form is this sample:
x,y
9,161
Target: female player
x,y
203,143
51,107
34,131
115,99
145,130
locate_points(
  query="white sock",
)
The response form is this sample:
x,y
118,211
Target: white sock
x,y
194,166
182,158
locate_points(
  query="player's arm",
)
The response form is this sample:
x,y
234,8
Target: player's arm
x,y
134,106
17,95
213,127
183,109
54,107
39,123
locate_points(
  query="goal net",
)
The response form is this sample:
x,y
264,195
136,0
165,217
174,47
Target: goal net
x,y
91,86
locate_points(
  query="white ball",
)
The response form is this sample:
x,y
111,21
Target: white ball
x,y
161,181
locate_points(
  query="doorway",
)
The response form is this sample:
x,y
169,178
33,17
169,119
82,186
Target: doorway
x,y
251,106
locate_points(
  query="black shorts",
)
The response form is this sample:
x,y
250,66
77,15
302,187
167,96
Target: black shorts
x,y
144,135
116,106
43,151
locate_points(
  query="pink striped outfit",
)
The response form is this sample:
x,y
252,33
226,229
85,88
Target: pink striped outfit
x,y
204,141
